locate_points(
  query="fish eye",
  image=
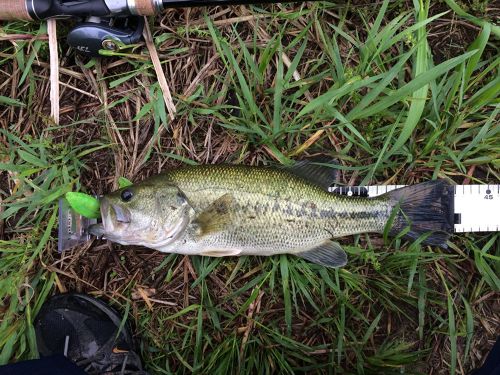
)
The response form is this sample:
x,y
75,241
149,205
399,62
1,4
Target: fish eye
x,y
126,195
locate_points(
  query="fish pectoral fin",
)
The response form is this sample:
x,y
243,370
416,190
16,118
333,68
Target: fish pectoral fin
x,y
215,217
328,254
221,253
319,174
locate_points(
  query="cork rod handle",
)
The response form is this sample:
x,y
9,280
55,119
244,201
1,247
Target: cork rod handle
x,y
14,10
143,7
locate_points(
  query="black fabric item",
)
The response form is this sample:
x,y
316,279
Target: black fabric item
x,y
491,365
54,365
86,330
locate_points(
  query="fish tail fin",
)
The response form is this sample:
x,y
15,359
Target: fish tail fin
x,y
425,208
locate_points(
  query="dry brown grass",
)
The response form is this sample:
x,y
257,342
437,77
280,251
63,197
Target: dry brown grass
x,y
96,108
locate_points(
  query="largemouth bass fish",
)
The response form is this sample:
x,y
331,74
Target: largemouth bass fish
x,y
225,210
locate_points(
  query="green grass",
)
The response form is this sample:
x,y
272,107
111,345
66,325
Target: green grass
x,y
357,83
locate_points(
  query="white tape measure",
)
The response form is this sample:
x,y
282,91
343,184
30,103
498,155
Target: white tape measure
x,y
477,207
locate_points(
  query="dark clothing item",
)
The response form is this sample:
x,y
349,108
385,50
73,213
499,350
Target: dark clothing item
x,y
77,334
492,364
88,332
54,365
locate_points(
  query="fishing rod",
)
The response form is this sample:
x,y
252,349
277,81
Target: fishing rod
x,y
103,24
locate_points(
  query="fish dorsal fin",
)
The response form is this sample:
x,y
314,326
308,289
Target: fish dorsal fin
x,y
319,174
215,217
328,254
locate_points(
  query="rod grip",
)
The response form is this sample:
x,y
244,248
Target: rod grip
x,y
144,8
14,10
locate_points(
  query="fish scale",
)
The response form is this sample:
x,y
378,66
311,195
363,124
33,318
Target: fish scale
x,y
276,211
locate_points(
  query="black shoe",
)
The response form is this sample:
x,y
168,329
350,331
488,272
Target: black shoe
x,y
86,331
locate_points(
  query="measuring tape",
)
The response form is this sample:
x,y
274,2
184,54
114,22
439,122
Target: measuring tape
x,y
477,207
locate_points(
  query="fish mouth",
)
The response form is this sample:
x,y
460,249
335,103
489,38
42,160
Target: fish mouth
x,y
113,217
117,226
121,214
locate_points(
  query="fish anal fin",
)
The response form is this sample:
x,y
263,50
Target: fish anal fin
x,y
329,254
320,174
215,217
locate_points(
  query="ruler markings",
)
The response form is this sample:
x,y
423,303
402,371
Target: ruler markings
x,y
476,209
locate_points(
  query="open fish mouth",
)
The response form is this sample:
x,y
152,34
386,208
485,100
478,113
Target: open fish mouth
x,y
113,218
148,230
